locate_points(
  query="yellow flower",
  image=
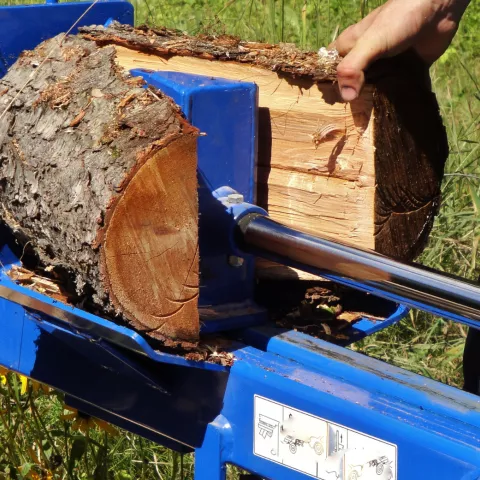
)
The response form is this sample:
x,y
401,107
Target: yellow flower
x,y
83,422
35,386
24,383
106,427
3,375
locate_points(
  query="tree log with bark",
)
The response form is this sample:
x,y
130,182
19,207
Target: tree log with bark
x,y
99,179
98,172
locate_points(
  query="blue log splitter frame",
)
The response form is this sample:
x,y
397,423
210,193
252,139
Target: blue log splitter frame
x,y
291,406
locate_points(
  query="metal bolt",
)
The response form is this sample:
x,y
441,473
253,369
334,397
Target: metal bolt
x,y
235,261
235,198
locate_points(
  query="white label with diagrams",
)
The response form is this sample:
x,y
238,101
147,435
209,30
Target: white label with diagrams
x,y
317,447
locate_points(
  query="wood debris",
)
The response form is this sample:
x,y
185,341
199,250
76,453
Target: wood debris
x,y
26,278
223,358
76,121
320,309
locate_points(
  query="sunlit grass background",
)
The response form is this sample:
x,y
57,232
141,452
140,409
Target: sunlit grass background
x,y
39,439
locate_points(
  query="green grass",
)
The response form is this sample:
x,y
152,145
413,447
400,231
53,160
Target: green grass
x,y
420,343
309,24
37,443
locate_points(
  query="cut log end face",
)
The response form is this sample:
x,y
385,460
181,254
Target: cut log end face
x,y
150,251
411,149
95,166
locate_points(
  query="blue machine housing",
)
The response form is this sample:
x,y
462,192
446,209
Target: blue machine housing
x,y
291,406
24,27
226,152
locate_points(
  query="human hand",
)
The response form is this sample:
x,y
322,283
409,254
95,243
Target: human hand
x,y
427,26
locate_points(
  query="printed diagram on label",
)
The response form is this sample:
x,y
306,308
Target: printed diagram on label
x,y
319,448
266,426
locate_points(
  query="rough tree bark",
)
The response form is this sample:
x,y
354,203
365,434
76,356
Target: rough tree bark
x,y
98,177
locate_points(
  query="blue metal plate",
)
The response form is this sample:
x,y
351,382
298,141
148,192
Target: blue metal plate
x,y
23,27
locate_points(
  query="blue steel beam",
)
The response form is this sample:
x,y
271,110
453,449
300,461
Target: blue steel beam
x,y
428,430
156,399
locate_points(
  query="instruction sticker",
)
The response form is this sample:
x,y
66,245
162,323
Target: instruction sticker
x,y
319,448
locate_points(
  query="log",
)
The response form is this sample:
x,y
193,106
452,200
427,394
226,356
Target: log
x,y
368,172
98,179
98,173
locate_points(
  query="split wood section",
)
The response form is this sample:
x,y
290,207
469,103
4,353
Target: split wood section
x,y
98,180
368,172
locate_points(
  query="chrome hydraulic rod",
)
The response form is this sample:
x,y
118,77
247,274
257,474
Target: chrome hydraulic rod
x,y
409,284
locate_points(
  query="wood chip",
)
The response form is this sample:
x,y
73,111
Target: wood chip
x,y
76,121
125,101
97,93
349,316
29,279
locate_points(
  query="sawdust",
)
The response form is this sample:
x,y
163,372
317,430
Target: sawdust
x,y
211,349
73,52
226,359
29,57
